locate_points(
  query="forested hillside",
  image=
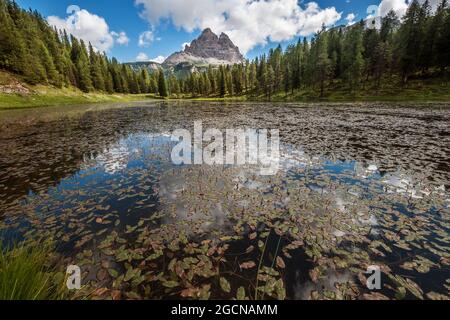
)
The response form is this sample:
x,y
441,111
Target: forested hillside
x,y
351,58
416,45
42,55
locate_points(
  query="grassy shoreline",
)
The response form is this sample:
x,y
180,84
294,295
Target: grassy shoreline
x,y
47,96
16,101
431,90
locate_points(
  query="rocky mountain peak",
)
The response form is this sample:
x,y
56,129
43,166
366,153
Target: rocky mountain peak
x,y
208,34
224,37
209,48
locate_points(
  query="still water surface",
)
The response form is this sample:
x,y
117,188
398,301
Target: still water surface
x,y
359,185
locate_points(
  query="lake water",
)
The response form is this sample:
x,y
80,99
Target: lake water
x,y
360,185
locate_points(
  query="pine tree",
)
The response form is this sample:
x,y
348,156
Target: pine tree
x,y
323,62
353,60
12,45
287,78
107,75
212,79
98,80
371,40
174,86
35,71
409,44
382,57
47,63
153,86
83,68
426,38
222,85
389,25
270,81
162,86
144,83
253,82
442,57
262,75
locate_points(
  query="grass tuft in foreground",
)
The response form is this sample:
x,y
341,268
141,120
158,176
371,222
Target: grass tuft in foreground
x,y
28,272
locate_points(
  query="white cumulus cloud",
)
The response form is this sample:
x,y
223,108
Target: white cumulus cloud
x,y
121,38
146,38
350,19
89,27
400,6
142,57
158,59
248,22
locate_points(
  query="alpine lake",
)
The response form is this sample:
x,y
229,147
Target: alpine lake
x,y
359,185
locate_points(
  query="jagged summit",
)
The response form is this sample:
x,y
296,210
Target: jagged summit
x,y
208,48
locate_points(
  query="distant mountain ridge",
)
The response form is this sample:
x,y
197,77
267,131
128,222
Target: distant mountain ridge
x,y
208,49
149,65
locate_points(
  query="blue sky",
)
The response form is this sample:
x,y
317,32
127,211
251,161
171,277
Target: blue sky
x,y
170,23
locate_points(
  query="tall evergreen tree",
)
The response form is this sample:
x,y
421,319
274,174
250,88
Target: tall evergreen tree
x,y
323,62
442,52
162,86
409,45
222,84
96,70
353,60
12,44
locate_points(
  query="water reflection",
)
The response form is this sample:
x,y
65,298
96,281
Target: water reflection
x,y
102,181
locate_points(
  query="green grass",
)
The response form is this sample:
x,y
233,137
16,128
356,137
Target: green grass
x,y
43,96
212,99
391,91
16,101
419,90
28,272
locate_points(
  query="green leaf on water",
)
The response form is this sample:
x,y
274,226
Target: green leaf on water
x,y
281,292
225,285
240,294
132,273
113,273
170,284
400,293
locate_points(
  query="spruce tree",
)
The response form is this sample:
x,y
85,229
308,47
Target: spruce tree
x,y
409,44
12,44
287,78
222,85
162,86
353,60
442,52
323,64
96,73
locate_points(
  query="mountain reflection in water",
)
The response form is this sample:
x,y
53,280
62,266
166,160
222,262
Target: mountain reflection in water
x,y
349,194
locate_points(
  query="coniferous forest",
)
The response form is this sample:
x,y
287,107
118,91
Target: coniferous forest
x,y
351,57
43,55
